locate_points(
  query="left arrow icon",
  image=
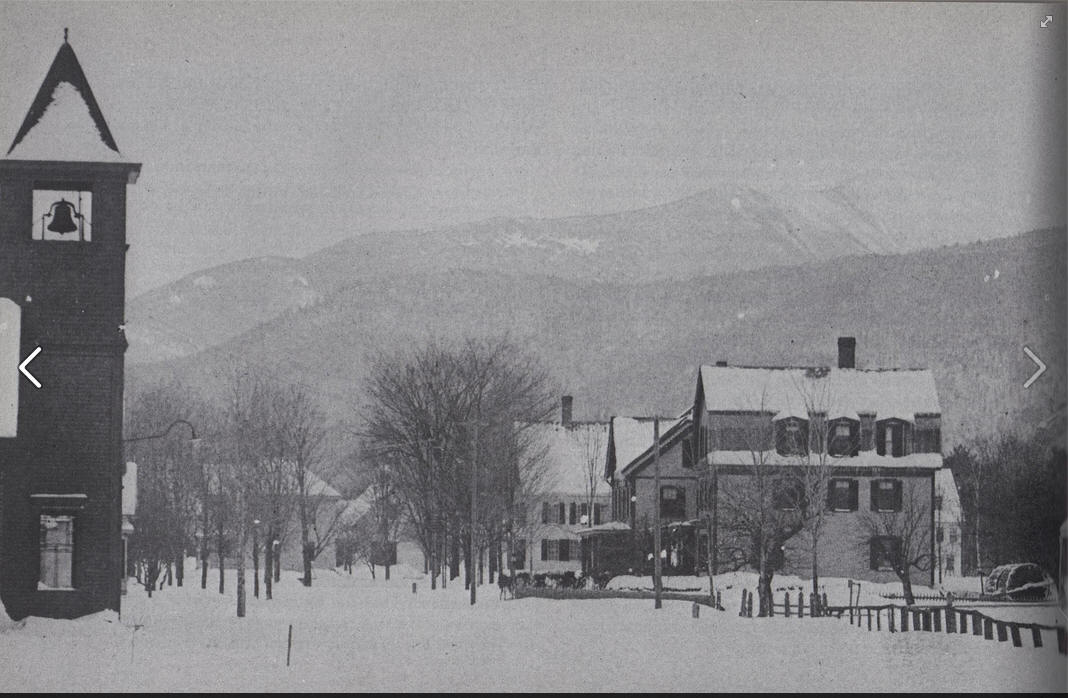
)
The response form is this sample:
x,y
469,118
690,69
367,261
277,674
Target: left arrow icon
x,y
22,367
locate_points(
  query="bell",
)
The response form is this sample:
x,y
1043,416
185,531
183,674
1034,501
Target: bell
x,y
63,215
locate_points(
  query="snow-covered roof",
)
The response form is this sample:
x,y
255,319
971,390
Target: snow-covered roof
x,y
667,430
607,527
64,122
864,459
900,393
633,436
357,508
946,487
568,450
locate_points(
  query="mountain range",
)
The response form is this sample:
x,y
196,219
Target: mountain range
x,y
624,308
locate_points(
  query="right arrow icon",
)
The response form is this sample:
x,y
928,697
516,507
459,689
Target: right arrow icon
x,y
1038,362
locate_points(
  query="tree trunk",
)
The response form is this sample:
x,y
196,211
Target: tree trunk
x,y
764,585
179,568
277,562
481,566
241,588
906,587
222,565
204,557
454,557
387,573
268,566
815,566
256,569
307,554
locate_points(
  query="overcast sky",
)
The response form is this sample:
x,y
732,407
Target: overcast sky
x,y
277,128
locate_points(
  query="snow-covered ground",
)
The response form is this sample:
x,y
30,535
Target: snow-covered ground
x,y
354,634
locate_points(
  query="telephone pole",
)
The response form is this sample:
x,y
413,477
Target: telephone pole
x,y
657,581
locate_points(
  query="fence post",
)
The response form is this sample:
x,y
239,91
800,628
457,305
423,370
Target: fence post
x,y
890,618
904,620
963,622
800,604
936,613
1036,635
879,619
927,621
741,612
988,629
1062,640
696,610
823,603
413,587
749,606
1003,635
869,620
951,620
719,600
786,605
771,604
1014,630
977,623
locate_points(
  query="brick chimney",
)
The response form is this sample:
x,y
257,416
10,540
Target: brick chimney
x,y
847,352
565,409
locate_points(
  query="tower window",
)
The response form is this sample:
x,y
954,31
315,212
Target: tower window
x,y
57,552
63,214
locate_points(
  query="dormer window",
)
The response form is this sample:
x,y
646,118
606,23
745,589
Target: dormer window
x,y
791,436
892,437
672,502
63,213
843,437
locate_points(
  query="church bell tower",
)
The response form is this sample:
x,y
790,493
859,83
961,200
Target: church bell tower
x,y
62,279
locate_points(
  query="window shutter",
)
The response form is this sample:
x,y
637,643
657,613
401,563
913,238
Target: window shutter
x,y
544,514
544,549
854,495
561,513
874,503
572,513
565,550
880,438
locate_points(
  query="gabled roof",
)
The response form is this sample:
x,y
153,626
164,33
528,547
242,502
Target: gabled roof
x,y
675,429
900,393
630,437
64,122
567,449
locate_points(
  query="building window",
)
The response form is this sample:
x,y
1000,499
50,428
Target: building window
x,y
891,438
929,440
843,438
572,514
561,513
519,554
788,494
57,552
953,536
884,551
550,549
949,563
842,495
563,547
791,437
672,502
886,495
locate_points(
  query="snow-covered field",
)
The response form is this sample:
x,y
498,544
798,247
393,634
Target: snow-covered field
x,y
354,634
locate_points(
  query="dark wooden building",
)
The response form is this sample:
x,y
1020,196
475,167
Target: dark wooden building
x,y
62,261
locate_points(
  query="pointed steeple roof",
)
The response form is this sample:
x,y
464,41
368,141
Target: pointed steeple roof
x,y
65,122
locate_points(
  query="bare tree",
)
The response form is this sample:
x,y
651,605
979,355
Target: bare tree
x,y
450,423
901,539
762,501
593,467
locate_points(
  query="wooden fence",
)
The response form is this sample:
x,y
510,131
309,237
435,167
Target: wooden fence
x,y
948,619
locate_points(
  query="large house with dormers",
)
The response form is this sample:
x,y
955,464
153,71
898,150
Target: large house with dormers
x,y
877,431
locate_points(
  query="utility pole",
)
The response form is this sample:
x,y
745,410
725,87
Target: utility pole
x,y
474,516
657,581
